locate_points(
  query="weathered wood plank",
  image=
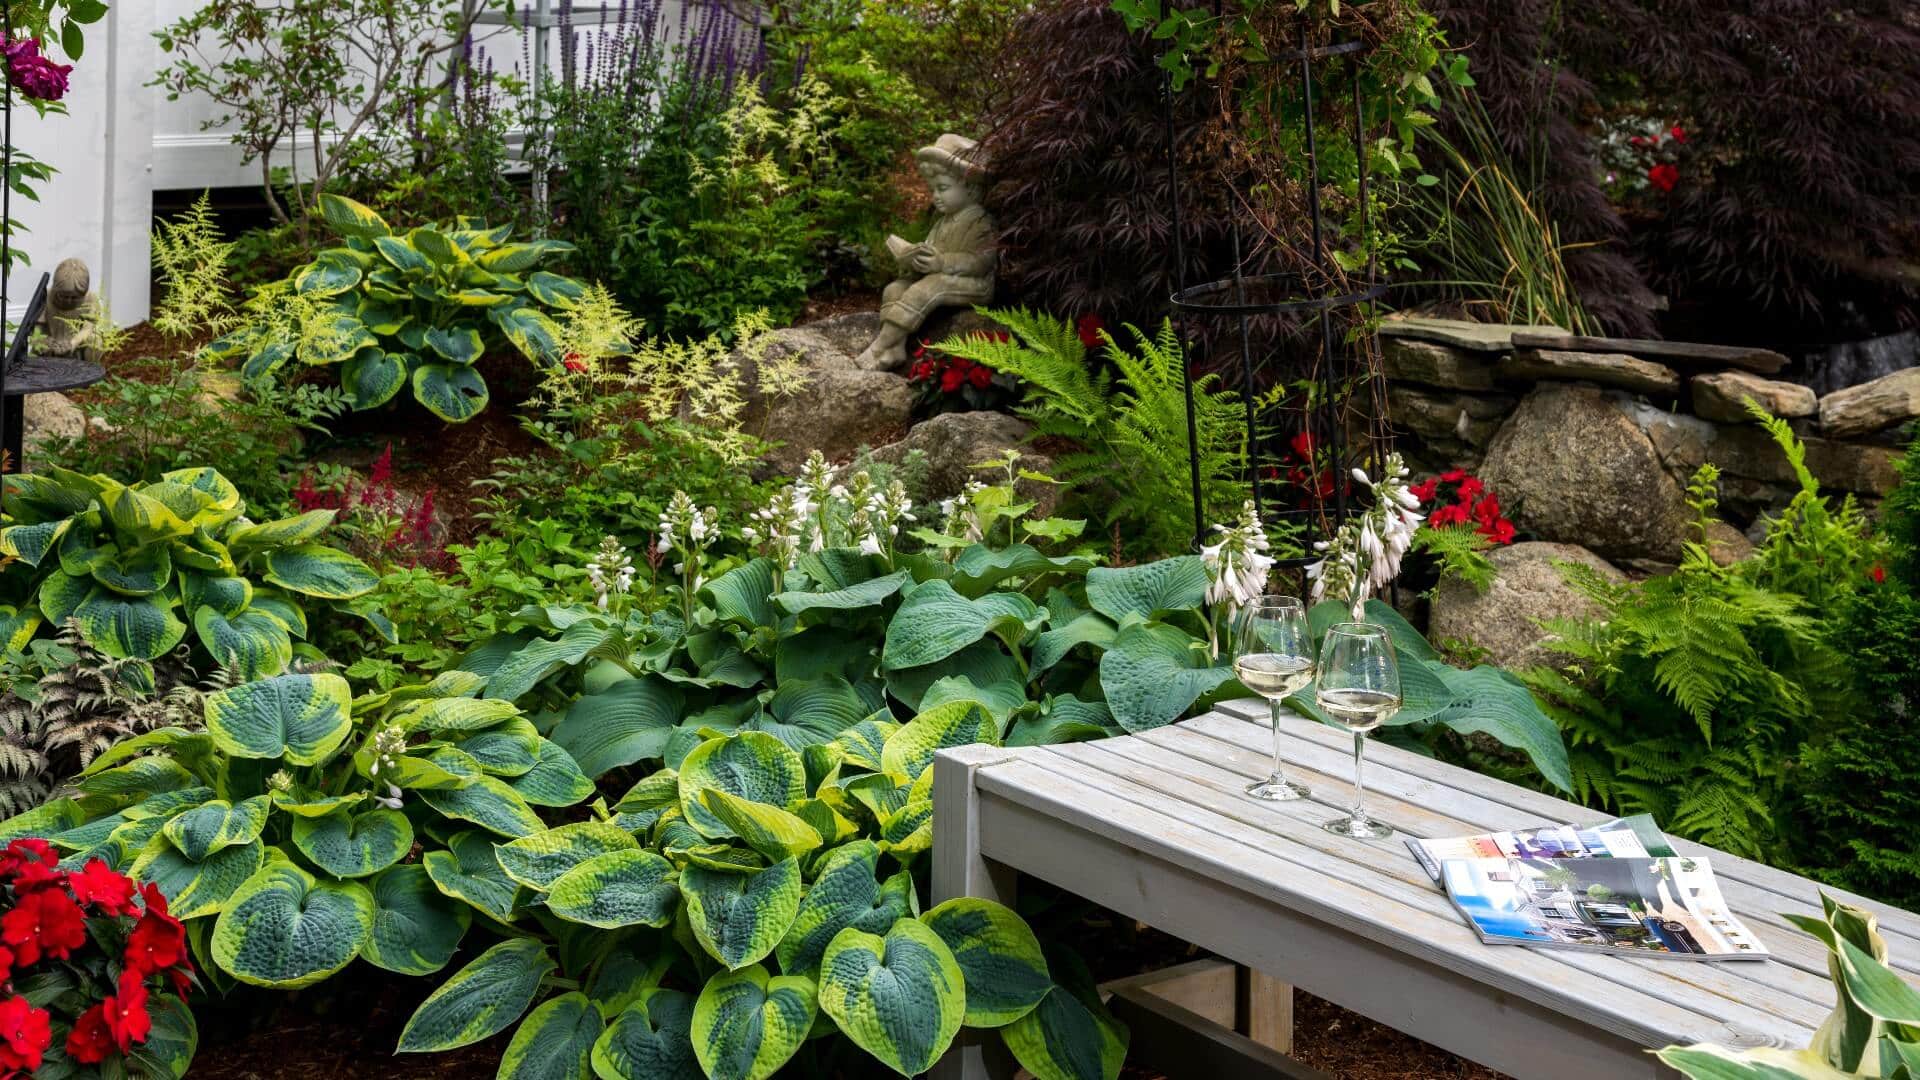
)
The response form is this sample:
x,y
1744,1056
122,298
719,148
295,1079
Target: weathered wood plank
x,y
1686,353
960,869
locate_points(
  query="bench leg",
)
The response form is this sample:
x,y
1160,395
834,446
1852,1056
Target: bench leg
x,y
1265,1009
960,870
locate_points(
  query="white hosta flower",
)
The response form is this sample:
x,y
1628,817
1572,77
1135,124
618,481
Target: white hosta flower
x,y
1238,563
391,800
610,572
870,545
1364,556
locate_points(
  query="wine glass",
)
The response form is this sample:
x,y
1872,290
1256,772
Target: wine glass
x,y
1273,657
1360,689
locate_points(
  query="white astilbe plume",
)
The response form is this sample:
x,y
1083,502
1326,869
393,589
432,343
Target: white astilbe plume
x,y
1364,556
610,572
1238,563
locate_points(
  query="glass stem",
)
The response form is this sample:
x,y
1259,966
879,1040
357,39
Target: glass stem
x,y
1274,708
1359,780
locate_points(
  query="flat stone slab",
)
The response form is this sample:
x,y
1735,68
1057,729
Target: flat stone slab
x,y
1683,353
1461,333
1873,406
1428,362
1607,369
1722,395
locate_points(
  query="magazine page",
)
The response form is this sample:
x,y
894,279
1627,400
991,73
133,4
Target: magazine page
x,y
1667,907
1636,837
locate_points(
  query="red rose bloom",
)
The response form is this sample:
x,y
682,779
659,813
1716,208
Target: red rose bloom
x,y
25,1033
33,74
981,377
90,1041
102,886
1089,328
1665,176
44,923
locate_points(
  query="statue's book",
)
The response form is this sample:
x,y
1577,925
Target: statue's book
x,y
1660,907
1636,837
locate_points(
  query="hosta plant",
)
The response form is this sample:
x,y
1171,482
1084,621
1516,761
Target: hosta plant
x,y
96,970
135,567
1874,1029
414,308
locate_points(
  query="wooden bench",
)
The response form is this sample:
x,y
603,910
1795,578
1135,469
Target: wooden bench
x,y
1155,826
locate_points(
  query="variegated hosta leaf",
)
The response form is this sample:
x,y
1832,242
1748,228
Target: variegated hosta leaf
x,y
752,765
196,887
479,1000
254,644
489,803
349,218
910,750
1006,973
739,918
455,714
416,929
1070,1035
168,1049
282,532
908,830
900,997
455,393
283,928
844,893
318,570
769,830
351,845
205,829
506,750
652,792
747,1024
55,816
303,718
1707,1062
537,861
468,871
554,1042
620,889
302,803
373,377
651,1040
554,780
124,627
864,741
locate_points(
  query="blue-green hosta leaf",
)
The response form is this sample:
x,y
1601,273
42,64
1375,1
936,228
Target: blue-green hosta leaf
x,y
845,892
554,290
31,543
522,669
298,529
207,828
899,997
870,593
651,1040
317,570
554,780
1489,701
529,329
862,743
934,622
196,887
382,315
139,572
253,644
1061,719
822,650
282,928
489,803
349,218
479,1000
627,723
554,1042
1005,971
536,861
1053,645
769,830
616,890
979,569
455,393
508,750
747,1024
125,627
468,871
1407,642
752,765
354,845
373,377
744,595
458,344
1153,673
810,712
303,718
739,918
1148,590
1070,1035
416,929
910,750
326,276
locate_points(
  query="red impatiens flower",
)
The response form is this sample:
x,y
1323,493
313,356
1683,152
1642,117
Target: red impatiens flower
x,y
158,941
1664,176
1500,532
43,923
1878,574
1453,476
126,1012
90,1041
1089,328
1470,489
921,371
34,876
1426,489
103,887
574,362
1302,445
1678,134
1448,515
1488,510
26,850
981,377
951,379
25,1033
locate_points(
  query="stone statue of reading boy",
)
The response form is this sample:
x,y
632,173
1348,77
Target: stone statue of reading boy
x,y
953,267
71,314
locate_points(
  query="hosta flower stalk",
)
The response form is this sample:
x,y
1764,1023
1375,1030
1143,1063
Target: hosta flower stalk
x,y
1364,555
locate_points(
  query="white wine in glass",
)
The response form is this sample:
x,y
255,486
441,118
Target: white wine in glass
x,y
1273,657
1359,690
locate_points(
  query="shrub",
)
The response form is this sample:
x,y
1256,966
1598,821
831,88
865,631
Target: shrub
x,y
136,565
396,309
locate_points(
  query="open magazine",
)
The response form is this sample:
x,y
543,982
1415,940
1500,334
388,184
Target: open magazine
x,y
1665,907
1636,837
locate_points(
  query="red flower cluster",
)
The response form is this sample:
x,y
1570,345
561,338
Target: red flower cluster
x,y
55,914
1665,176
574,362
944,383
1089,328
412,544
1468,503
33,74
1315,478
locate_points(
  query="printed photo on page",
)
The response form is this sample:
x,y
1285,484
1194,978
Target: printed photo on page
x,y
1635,837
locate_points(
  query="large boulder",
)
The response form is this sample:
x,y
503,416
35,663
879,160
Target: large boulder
x,y
955,442
1572,468
1870,407
1505,620
839,410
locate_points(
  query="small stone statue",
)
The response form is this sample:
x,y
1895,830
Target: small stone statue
x,y
953,267
72,312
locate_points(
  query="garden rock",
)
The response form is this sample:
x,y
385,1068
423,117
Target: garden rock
x,y
848,333
1745,452
1471,419
841,409
50,415
1459,333
1727,545
1607,369
1723,395
1505,620
1576,469
1871,407
1436,365
954,442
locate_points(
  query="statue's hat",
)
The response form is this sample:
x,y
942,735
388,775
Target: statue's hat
x,y
957,153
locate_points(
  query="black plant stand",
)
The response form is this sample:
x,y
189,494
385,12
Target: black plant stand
x,y
38,375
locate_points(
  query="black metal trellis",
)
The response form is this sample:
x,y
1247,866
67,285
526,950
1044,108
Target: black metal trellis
x,y
1242,297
